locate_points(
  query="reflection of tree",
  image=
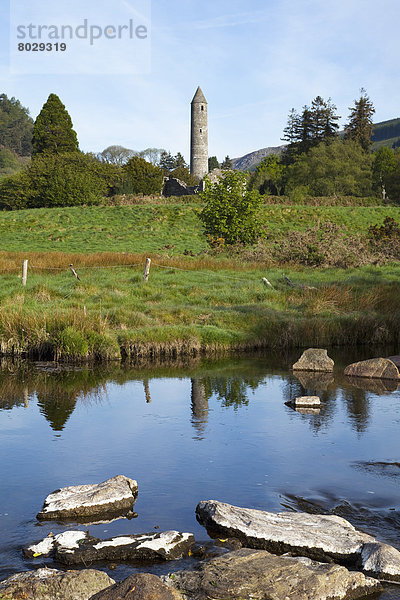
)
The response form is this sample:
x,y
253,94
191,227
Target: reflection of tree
x,y
199,403
56,407
57,394
358,408
231,391
57,389
14,390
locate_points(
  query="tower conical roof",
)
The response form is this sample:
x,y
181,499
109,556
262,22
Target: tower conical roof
x,y
199,96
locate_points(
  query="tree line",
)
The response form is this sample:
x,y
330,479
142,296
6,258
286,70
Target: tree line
x,y
41,163
318,160
54,172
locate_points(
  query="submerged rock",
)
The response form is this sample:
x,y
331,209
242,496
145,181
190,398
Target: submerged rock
x,y
314,359
319,537
249,574
82,502
145,585
78,547
48,584
379,368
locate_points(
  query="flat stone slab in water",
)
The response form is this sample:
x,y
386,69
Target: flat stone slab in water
x,y
305,402
320,537
249,574
379,368
48,584
82,502
78,547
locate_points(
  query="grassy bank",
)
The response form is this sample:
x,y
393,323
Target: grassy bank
x,y
111,313
169,229
197,300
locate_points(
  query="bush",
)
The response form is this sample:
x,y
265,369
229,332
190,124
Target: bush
x,y
56,180
335,169
15,192
389,230
184,175
140,177
230,210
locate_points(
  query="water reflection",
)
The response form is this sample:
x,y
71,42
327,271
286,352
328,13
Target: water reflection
x,y
358,408
191,431
147,394
312,384
59,388
199,405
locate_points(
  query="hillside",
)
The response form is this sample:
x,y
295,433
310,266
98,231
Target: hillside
x,y
386,133
249,161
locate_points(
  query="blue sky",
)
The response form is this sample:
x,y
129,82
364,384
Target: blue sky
x,y
253,61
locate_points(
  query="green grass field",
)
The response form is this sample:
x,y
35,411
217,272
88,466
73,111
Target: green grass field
x,y
162,228
191,304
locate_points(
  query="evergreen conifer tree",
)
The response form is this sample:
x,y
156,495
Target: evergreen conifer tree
x,y
213,163
360,127
52,131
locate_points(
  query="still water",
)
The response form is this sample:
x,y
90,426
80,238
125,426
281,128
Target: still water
x,y
205,430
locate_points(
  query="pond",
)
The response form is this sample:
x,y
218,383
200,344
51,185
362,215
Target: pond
x,y
210,429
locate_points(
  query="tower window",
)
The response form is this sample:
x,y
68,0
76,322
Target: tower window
x,y
202,107
201,131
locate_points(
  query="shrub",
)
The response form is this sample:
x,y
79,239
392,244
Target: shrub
x,y
389,230
183,174
68,179
140,177
15,192
230,210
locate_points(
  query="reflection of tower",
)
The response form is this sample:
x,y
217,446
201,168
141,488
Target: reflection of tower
x,y
199,136
199,407
146,390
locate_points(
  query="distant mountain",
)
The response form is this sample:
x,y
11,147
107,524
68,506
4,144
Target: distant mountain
x,y
386,133
248,162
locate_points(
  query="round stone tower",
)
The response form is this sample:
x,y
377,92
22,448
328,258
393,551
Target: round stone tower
x,y
199,136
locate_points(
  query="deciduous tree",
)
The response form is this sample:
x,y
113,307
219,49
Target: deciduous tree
x,y
230,210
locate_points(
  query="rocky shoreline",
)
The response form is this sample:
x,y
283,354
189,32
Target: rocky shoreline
x,y
262,555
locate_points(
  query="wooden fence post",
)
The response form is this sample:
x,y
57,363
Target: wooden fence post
x,y
146,269
24,272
